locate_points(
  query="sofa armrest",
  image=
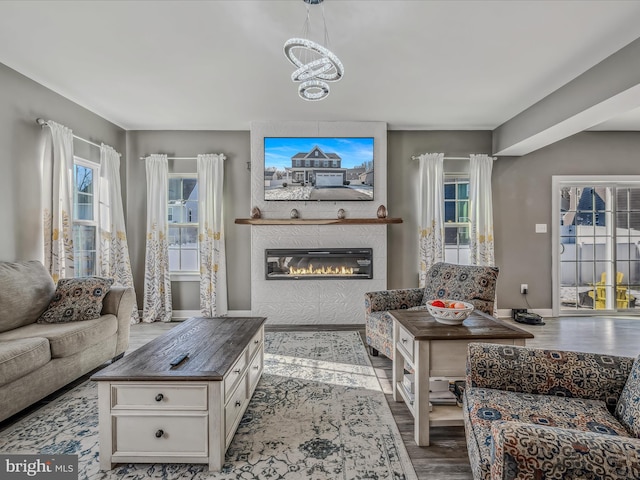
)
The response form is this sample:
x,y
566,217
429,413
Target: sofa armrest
x,y
548,372
522,450
392,299
120,301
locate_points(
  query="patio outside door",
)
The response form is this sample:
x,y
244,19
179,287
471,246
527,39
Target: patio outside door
x,y
596,245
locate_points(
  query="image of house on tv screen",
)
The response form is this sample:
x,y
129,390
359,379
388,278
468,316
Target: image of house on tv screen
x,y
318,168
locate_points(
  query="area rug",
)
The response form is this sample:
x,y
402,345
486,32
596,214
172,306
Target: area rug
x,y
318,413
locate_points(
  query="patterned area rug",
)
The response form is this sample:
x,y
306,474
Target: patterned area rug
x,y
318,413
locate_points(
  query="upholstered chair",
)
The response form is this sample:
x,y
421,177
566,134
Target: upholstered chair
x,y
469,283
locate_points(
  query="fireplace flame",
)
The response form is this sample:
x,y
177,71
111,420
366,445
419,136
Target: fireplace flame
x,y
320,271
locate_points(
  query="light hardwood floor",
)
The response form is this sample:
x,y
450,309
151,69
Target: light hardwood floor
x,y
446,457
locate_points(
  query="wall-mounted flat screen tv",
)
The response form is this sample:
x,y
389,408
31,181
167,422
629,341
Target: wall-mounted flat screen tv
x,y
318,168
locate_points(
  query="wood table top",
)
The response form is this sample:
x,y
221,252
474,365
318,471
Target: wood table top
x,y
213,345
478,326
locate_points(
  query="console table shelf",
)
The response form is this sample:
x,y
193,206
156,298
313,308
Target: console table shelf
x,y
317,221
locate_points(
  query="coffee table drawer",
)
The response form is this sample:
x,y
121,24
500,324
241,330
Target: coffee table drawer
x,y
255,370
255,342
159,396
235,374
234,410
161,434
405,340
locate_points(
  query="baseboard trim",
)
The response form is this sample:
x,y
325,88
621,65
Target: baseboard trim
x,y
180,315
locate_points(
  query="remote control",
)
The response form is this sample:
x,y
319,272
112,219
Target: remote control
x,y
179,359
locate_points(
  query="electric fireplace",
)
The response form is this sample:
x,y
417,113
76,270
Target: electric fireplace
x,y
318,264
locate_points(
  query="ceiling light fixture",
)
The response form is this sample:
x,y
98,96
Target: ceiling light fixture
x,y
315,64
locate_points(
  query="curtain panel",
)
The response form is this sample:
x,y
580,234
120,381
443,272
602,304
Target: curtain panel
x,y
481,248
431,213
213,272
113,254
58,202
157,281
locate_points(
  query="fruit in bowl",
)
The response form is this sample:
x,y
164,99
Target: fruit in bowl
x,y
449,312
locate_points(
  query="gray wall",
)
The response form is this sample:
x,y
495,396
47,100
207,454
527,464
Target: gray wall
x,y
237,198
522,198
521,189
402,193
21,140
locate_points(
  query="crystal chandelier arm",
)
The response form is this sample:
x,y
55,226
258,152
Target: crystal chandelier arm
x,y
318,64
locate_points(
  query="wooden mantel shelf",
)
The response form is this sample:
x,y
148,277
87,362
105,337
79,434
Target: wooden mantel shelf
x,y
317,221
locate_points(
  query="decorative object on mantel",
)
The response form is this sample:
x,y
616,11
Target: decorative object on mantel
x,y
382,211
317,221
342,213
315,65
294,213
255,213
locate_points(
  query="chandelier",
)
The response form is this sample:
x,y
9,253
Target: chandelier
x,y
315,64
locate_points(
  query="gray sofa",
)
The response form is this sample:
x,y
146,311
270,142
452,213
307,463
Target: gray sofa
x,y
38,359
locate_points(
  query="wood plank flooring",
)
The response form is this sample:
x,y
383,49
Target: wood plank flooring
x,y
446,457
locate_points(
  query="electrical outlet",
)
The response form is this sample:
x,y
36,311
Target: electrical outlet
x,y
524,288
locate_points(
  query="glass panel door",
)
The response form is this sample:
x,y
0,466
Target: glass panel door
x,y
599,259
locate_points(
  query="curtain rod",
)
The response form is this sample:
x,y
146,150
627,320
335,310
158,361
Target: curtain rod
x,y
182,158
43,123
416,157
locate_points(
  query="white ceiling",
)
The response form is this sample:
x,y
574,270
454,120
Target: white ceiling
x,y
219,65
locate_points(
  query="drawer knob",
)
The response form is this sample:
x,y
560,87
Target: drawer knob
x,y
237,370
256,341
257,367
159,433
238,403
404,340
159,397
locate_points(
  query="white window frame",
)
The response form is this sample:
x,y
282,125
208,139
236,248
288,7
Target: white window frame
x,y
184,275
557,182
95,167
456,201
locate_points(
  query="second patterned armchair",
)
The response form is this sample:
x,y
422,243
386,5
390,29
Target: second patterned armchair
x,y
469,283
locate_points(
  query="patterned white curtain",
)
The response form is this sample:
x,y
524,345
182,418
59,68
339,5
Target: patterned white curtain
x,y
58,203
431,212
213,271
113,254
481,211
157,281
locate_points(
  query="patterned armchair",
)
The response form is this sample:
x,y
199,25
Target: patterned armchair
x,y
534,413
469,283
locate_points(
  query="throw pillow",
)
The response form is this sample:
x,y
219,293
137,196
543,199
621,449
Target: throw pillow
x,y
628,407
76,299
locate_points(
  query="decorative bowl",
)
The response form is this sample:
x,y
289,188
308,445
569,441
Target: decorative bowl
x,y
449,315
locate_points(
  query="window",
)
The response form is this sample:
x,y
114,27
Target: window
x,y
307,162
183,223
85,225
326,163
456,218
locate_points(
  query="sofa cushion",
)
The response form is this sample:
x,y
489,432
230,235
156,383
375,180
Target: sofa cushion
x,y
76,299
469,283
68,338
485,406
26,288
628,407
23,356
